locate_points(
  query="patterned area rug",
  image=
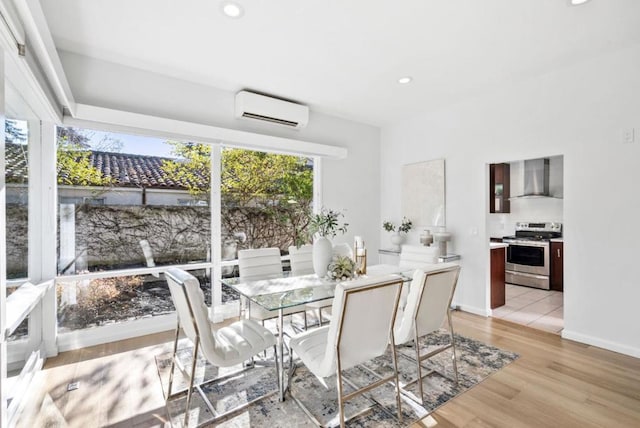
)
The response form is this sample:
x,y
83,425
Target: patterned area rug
x,y
476,361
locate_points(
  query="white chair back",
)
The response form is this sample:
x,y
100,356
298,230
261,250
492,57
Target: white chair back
x,y
301,259
188,299
343,250
364,312
259,263
429,300
418,256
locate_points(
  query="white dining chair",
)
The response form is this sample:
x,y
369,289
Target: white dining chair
x,y
342,250
428,304
418,256
361,329
224,347
301,259
262,263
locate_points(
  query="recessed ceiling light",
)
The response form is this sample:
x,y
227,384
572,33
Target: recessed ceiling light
x,y
232,9
404,80
577,2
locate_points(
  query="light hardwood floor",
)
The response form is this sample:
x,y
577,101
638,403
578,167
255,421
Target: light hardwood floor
x,y
554,383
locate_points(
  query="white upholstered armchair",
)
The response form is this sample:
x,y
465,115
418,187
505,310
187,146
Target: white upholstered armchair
x,y
361,329
224,347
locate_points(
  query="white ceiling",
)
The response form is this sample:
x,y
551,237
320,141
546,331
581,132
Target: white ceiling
x,y
343,57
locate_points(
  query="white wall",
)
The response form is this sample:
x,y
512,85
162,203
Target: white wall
x,y
578,112
349,184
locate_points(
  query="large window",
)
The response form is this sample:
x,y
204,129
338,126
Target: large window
x,y
17,197
266,201
127,203
121,207
17,210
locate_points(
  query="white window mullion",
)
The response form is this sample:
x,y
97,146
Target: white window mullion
x,y
216,232
48,227
3,252
317,184
35,203
36,211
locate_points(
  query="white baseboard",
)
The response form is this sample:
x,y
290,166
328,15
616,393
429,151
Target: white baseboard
x,y
601,343
472,309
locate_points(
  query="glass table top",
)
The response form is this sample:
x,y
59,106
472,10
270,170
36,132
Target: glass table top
x,y
282,291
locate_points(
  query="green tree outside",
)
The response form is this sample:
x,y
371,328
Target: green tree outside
x,y
255,187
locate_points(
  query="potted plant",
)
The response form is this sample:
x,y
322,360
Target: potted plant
x,y
322,226
341,268
396,237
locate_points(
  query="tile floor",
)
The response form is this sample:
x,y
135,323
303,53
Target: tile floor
x,y
541,309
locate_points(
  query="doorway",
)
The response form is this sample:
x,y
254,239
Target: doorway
x,y
531,192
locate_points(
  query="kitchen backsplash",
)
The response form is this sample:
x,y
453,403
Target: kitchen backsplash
x,y
531,210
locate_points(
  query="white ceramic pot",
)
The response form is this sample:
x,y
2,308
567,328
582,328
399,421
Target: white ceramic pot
x,y
397,240
322,253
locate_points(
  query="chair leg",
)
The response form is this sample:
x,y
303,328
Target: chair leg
x,y
340,399
173,359
395,369
275,354
417,344
305,320
265,351
193,375
320,317
453,346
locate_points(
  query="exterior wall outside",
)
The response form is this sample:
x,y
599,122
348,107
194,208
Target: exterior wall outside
x,y
167,197
125,195
579,112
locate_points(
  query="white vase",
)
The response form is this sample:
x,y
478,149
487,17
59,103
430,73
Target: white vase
x,y
322,253
397,240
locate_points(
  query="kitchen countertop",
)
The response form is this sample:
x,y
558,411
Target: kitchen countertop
x,y
556,240
494,245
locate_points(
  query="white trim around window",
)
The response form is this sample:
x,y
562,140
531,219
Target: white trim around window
x,y
105,119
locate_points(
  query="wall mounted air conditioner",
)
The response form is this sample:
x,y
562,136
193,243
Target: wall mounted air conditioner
x,y
271,110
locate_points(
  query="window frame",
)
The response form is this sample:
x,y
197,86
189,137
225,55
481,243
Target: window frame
x,y
103,334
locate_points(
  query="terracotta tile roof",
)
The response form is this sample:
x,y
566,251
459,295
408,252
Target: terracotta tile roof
x,y
15,163
128,170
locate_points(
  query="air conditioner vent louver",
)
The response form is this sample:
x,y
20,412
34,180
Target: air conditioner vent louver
x,y
271,110
269,119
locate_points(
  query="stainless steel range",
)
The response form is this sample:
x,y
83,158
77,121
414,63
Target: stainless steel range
x,y
528,254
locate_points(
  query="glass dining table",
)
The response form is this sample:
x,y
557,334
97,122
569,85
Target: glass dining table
x,y
279,292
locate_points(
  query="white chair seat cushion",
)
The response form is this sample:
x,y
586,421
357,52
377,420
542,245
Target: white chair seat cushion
x,y
311,347
242,340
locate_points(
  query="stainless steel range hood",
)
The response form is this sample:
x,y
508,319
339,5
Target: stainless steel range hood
x,y
536,179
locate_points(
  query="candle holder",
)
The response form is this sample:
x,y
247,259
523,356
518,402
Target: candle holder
x,y
442,238
360,256
426,238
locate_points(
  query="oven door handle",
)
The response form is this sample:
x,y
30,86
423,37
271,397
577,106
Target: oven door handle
x,y
529,275
527,244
